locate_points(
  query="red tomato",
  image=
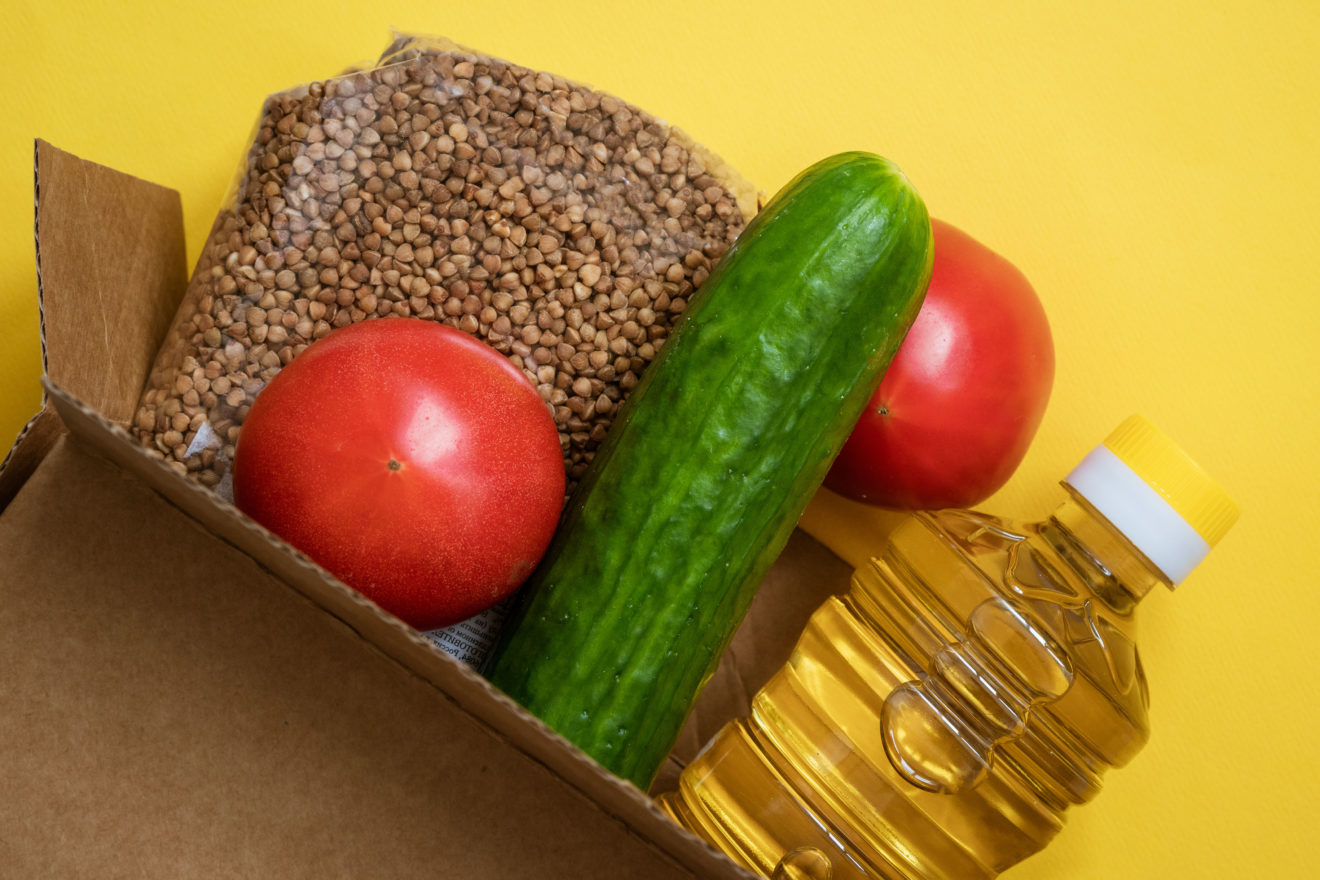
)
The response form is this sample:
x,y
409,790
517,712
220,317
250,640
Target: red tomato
x,y
957,408
410,460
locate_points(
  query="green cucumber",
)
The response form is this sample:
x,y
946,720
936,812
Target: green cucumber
x,y
711,461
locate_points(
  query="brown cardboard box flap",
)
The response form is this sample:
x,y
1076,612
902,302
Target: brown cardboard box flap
x,y
389,637
30,447
172,709
110,271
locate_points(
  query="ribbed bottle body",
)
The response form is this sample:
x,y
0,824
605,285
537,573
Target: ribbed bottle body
x,y
936,720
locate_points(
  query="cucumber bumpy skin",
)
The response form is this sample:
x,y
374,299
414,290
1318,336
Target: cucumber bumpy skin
x,y
712,459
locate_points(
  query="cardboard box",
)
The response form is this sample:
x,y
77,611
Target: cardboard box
x,y
182,694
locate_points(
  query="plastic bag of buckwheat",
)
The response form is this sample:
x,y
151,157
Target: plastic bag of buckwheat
x,y
563,226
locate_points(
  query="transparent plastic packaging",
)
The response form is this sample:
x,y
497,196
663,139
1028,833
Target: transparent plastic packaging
x,y
976,680
561,225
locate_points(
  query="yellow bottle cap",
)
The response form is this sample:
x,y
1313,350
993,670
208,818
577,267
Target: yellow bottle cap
x,y
1166,468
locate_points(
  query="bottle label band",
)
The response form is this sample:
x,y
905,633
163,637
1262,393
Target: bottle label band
x,y
1139,512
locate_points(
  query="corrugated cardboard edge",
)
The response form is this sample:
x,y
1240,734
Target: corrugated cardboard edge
x,y
36,239
34,440
451,680
36,437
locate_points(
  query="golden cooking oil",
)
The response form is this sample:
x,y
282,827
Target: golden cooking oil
x,y
976,680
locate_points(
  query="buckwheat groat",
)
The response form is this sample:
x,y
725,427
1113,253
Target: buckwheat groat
x,y
563,226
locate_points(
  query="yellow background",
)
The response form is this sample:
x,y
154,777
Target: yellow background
x,y
1152,168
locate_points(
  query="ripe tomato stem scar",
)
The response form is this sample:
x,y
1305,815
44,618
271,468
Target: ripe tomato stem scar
x,y
394,465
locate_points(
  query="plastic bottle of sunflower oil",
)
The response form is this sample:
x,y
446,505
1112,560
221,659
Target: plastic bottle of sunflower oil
x,y
975,681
